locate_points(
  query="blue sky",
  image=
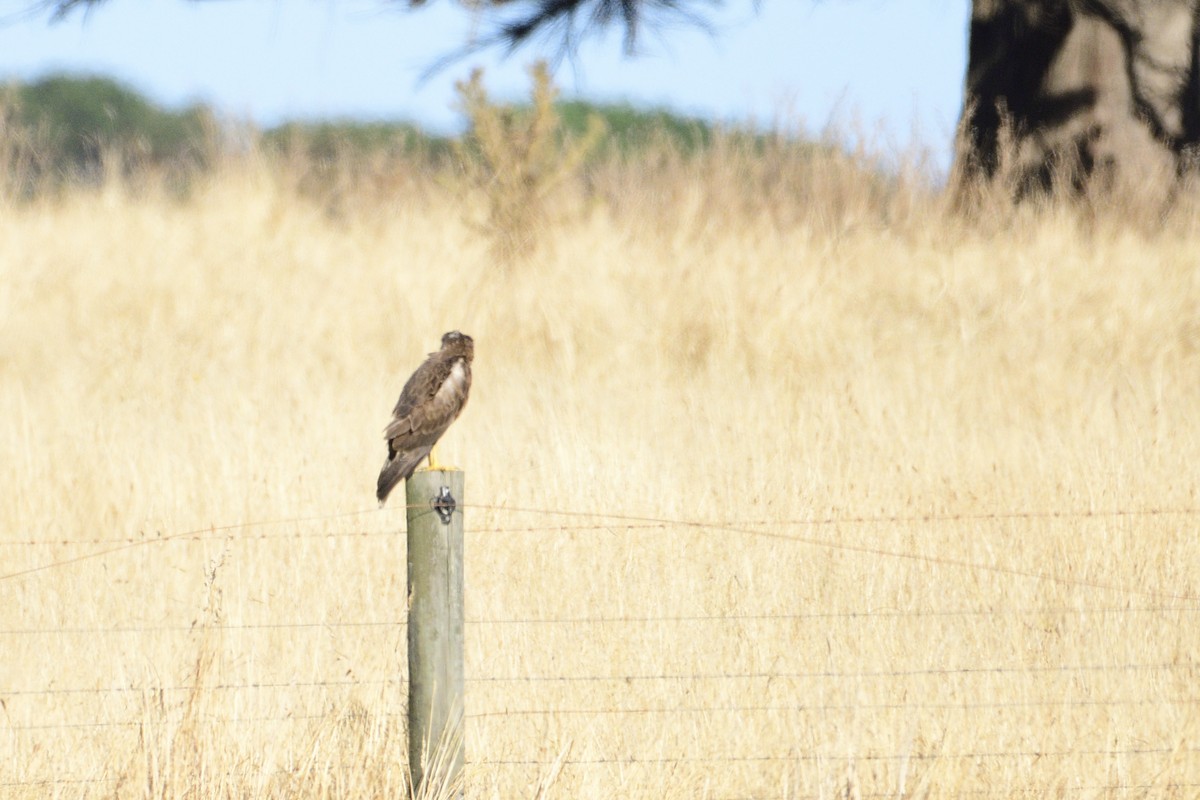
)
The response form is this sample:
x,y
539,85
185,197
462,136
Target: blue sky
x,y
888,69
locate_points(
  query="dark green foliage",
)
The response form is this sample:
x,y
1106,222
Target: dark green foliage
x,y
335,163
336,140
78,121
633,130
68,129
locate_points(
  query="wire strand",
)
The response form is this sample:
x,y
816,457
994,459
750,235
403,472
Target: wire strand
x,y
782,675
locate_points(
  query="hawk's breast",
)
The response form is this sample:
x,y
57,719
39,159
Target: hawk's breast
x,y
454,387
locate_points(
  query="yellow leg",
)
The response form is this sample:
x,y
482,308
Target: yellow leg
x,y
434,464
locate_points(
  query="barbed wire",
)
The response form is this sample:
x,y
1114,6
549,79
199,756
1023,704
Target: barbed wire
x,y
775,675
852,614
748,529
720,619
626,523
1007,791
628,761
784,675
217,687
946,561
925,518
152,721
826,707
194,628
856,519
224,534
632,760
210,529
607,710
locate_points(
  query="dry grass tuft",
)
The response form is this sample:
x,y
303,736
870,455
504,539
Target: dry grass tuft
x,y
516,158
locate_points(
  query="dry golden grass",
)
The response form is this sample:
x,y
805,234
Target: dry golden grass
x,y
680,350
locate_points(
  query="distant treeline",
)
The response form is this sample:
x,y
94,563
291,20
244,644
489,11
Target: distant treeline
x,y
75,119
78,125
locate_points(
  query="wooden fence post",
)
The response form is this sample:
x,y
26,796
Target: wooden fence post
x,y
435,628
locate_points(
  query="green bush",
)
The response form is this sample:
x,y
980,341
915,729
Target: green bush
x,y
633,130
337,140
77,122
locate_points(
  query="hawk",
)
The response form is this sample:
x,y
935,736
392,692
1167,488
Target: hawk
x,y
431,400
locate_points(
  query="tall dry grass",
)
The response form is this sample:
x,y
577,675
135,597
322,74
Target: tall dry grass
x,y
749,338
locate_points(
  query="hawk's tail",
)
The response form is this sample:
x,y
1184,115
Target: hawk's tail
x,y
396,469
389,476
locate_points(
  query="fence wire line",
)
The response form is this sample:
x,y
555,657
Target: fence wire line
x,y
212,529
217,687
223,534
995,792
780,675
868,519
920,557
153,722
799,708
719,619
676,677
635,761
630,761
189,629
628,521
887,613
740,528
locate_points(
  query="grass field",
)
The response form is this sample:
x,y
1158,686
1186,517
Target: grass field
x,y
907,436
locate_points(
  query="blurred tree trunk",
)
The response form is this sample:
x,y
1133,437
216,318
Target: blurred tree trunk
x,y
1075,94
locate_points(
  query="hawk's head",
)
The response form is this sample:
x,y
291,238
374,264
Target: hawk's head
x,y
458,344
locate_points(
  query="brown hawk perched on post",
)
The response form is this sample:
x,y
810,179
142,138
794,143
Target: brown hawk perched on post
x,y
431,400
